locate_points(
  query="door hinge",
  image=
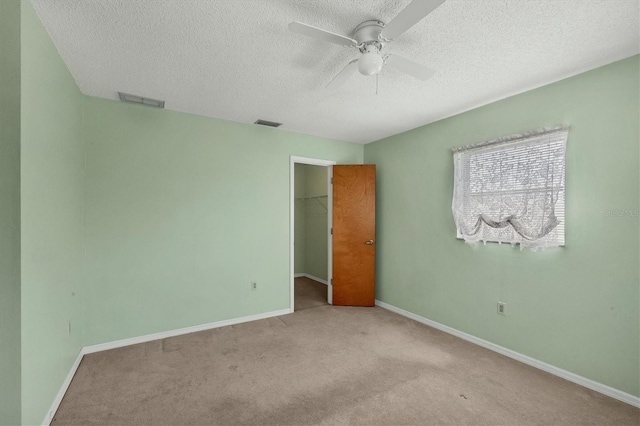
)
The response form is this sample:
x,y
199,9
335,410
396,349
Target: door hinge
x,y
331,181
331,231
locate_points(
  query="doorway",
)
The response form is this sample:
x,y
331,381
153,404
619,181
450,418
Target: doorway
x,y
310,230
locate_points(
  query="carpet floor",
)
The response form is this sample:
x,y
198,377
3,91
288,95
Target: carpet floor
x,y
327,365
308,294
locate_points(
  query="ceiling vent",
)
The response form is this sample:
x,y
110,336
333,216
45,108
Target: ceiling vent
x,y
125,97
267,123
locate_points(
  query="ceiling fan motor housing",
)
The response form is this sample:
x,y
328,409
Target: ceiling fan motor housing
x,y
368,33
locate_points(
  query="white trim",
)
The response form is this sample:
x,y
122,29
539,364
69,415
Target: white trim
x,y
180,331
63,389
311,277
292,165
312,161
556,371
330,236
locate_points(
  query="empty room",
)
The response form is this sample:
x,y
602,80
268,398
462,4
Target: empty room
x,y
270,212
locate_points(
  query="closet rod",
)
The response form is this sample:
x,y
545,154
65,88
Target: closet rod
x,y
311,198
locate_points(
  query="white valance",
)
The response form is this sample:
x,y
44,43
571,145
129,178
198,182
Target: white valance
x,y
512,189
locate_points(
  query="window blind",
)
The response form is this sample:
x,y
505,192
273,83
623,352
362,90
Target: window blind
x,y
512,189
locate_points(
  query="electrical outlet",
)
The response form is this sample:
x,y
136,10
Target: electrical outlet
x,y
502,308
254,286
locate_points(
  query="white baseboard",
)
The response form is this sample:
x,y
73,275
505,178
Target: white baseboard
x,y
147,338
63,389
556,371
320,280
180,331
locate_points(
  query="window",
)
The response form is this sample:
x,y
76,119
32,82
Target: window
x,y
512,189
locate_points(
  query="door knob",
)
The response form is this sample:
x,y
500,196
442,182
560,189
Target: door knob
x,y
369,243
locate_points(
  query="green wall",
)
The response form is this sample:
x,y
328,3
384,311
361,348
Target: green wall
x,y
182,213
574,307
316,223
52,167
299,223
10,212
311,242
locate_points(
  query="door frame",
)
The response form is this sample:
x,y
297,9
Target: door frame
x,y
293,160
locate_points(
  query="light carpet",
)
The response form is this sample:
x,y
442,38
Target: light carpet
x,y
325,365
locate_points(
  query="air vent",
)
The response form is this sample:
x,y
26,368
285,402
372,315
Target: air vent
x,y
268,123
125,97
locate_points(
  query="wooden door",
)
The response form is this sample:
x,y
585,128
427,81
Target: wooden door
x,y
354,234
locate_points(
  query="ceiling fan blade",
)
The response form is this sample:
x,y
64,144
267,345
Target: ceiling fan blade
x,y
409,67
343,75
408,17
308,30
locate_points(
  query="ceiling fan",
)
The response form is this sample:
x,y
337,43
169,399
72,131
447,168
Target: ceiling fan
x,y
370,37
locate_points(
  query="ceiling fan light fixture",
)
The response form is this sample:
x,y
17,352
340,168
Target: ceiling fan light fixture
x,y
370,63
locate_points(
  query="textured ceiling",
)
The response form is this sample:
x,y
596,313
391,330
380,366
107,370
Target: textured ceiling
x,y
236,60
